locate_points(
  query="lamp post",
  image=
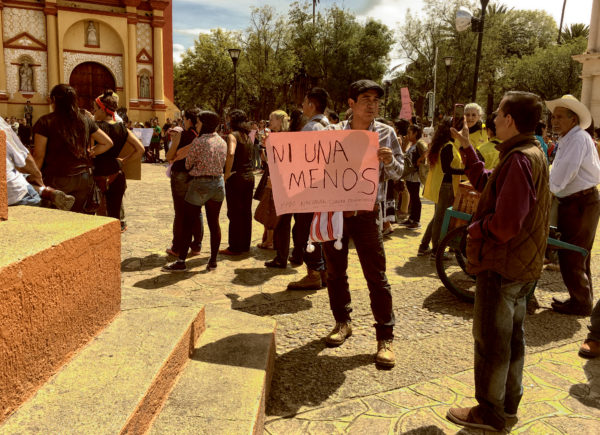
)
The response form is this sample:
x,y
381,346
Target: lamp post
x,y
484,4
234,53
387,84
448,62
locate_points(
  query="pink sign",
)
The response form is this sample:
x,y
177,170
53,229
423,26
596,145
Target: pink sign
x,y
406,110
312,171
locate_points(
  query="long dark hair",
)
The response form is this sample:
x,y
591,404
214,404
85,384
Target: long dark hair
x,y
239,122
210,122
297,119
72,126
440,138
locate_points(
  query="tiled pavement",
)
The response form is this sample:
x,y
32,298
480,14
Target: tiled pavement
x,y
316,389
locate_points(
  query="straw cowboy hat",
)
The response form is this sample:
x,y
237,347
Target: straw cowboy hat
x,y
573,104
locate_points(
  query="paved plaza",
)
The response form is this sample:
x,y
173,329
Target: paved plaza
x,y
321,390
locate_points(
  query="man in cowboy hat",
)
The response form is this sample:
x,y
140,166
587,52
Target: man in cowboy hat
x,y
573,179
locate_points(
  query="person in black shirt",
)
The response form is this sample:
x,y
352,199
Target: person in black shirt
x,y
180,143
107,167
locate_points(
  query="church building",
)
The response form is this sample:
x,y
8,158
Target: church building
x,y
124,45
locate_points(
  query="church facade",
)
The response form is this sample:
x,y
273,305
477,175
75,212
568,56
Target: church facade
x,y
124,45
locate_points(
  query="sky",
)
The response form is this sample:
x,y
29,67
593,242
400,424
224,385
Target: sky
x,y
192,17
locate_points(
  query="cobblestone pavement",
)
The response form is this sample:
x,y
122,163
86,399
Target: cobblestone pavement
x,y
316,389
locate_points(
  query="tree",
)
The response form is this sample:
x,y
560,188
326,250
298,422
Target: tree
x,y
574,31
204,77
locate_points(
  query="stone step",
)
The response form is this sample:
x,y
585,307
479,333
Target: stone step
x,y
118,382
223,389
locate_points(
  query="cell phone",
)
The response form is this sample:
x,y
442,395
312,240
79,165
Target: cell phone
x,y
458,116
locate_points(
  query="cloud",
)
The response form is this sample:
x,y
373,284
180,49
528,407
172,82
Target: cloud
x,y
178,50
191,32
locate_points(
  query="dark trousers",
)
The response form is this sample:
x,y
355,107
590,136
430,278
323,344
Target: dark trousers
x,y
314,260
434,229
114,196
179,186
498,315
79,186
190,218
415,200
281,238
238,192
364,231
577,223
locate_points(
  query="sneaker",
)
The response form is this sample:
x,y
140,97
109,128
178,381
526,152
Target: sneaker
x,y
413,225
422,252
445,256
176,266
62,201
340,332
275,264
405,222
385,354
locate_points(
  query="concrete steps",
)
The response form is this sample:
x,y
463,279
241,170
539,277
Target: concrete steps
x,y
137,376
224,387
118,382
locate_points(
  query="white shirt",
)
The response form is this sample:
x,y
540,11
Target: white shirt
x,y
16,184
576,166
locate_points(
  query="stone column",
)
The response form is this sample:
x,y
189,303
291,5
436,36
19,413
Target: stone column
x,y
131,68
51,11
3,94
590,89
158,22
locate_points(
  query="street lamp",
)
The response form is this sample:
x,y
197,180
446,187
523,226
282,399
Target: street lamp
x,y
464,18
448,62
234,53
387,84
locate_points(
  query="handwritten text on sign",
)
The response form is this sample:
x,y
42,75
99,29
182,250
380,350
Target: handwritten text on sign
x,y
323,170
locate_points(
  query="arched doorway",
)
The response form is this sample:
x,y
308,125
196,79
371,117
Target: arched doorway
x,y
90,79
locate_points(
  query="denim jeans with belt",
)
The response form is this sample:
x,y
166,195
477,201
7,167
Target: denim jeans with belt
x,y
498,315
364,231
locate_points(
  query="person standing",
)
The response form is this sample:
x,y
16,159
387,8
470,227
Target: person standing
x,y
575,174
313,108
239,187
506,240
363,228
416,154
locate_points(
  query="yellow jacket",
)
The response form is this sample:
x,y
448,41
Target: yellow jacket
x,y
490,153
436,176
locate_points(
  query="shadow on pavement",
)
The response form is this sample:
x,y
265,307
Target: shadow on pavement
x,y
546,326
135,264
237,350
165,279
253,276
304,378
589,394
267,304
425,430
442,301
417,267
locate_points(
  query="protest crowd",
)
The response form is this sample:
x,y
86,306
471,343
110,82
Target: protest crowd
x,y
530,175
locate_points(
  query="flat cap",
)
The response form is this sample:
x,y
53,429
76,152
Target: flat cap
x,y
360,86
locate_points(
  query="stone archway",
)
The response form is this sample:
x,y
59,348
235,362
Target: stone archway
x,y
90,79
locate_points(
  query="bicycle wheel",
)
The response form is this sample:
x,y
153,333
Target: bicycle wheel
x,y
452,271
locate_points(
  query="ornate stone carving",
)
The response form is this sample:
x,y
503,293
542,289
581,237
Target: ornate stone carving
x,y
113,63
13,58
92,34
144,37
145,86
26,76
16,21
145,69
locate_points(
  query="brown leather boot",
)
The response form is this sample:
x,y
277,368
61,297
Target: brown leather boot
x,y
340,332
312,281
385,354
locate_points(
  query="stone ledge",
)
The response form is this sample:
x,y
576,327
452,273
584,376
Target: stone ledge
x,y
118,383
59,286
224,387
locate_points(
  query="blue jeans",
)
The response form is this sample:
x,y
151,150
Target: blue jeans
x,y
31,198
364,231
498,315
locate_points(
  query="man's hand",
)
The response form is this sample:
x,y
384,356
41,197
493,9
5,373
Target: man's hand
x,y
385,155
462,136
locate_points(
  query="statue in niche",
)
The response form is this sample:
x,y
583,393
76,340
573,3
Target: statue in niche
x,y
144,86
92,34
28,112
26,76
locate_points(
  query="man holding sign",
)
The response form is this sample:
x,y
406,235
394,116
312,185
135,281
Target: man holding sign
x,y
363,227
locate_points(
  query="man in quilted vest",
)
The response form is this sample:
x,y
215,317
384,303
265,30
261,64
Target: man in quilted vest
x,y
506,241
